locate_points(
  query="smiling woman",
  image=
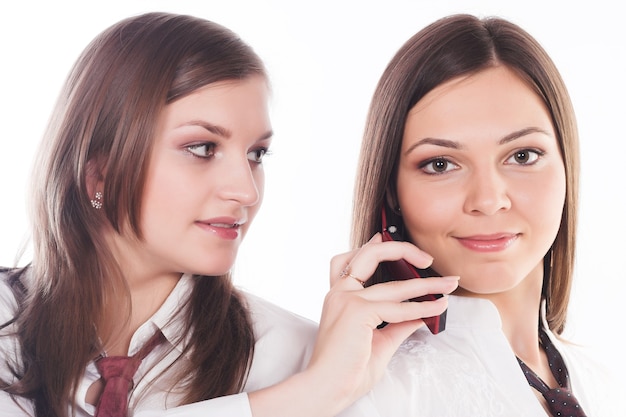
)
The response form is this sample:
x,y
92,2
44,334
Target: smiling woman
x,y
495,175
212,141
471,147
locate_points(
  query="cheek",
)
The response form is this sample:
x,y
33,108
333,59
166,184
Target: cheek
x,y
168,194
428,215
163,190
545,204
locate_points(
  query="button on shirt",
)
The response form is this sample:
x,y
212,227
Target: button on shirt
x,y
284,343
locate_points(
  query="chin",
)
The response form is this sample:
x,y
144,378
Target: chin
x,y
213,267
490,284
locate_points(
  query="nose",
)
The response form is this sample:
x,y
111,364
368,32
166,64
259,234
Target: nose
x,y
487,193
242,183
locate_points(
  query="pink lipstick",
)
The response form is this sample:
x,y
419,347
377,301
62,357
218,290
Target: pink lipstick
x,y
224,227
488,243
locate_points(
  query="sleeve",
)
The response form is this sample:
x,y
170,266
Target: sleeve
x,y
231,405
284,343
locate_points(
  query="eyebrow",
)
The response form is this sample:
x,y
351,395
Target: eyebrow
x,y
222,131
215,129
447,143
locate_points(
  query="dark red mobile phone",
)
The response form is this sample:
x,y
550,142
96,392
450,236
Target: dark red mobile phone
x,y
401,269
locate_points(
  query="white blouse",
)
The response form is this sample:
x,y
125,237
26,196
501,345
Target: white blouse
x,y
470,370
284,343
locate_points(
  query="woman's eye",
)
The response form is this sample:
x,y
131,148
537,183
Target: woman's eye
x,y
202,150
257,155
524,157
437,166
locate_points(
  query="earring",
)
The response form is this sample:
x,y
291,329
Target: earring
x,y
97,201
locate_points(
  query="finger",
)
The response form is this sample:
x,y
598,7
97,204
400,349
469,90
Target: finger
x,y
411,288
366,260
340,264
394,312
387,340
396,333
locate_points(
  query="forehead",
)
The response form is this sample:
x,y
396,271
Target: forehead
x,y
490,102
231,101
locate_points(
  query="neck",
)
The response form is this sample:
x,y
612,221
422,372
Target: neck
x,y
520,323
146,286
519,310
144,303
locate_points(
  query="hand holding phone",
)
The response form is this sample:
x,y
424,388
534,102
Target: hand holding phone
x,y
401,270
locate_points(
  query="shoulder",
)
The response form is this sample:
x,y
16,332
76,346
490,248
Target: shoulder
x,y
593,383
284,342
581,359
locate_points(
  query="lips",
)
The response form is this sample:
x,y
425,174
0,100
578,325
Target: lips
x,y
488,243
224,227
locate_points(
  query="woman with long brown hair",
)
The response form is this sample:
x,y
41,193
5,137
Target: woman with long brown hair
x,y
470,152
147,180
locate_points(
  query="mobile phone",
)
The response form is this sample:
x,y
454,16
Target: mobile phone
x,y
401,270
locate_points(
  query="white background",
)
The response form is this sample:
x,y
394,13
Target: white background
x,y
324,58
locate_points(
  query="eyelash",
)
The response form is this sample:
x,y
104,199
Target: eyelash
x,y
424,165
210,148
528,151
538,154
264,152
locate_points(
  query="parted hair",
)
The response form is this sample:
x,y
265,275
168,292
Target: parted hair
x,y
455,46
104,120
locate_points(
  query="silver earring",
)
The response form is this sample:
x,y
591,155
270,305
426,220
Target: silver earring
x,y
97,201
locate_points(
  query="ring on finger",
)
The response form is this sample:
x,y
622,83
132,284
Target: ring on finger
x,y
345,273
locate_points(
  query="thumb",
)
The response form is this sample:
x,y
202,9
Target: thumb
x,y
388,339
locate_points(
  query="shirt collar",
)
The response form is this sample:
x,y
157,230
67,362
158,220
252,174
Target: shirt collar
x,y
168,318
472,312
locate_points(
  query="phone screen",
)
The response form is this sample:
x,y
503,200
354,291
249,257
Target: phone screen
x,y
401,269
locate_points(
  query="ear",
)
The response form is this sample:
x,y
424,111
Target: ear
x,y
392,200
94,179
393,215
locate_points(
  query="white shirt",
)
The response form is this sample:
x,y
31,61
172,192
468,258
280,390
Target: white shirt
x,y
470,370
284,343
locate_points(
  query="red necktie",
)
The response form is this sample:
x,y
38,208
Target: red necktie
x,y
561,400
117,373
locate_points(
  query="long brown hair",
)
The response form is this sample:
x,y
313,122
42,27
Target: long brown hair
x,y
448,48
104,121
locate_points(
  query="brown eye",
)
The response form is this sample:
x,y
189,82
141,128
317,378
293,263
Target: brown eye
x,y
202,150
437,166
257,155
524,157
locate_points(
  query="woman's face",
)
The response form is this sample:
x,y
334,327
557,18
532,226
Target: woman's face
x,y
481,182
205,178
